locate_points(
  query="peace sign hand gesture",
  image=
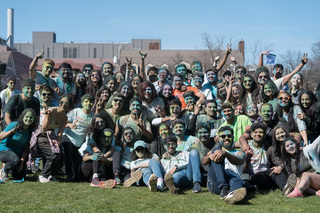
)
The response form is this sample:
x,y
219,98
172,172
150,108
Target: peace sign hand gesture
x,y
228,51
143,55
304,60
129,61
140,122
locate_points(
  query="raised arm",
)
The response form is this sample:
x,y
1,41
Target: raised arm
x,y
266,52
142,71
34,63
304,60
225,57
128,69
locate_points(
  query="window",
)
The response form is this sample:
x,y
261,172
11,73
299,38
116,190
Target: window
x,y
95,52
69,52
48,52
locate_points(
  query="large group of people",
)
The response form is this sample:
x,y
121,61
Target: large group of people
x,y
165,130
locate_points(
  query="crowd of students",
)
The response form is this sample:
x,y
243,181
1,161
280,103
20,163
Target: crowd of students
x,y
162,129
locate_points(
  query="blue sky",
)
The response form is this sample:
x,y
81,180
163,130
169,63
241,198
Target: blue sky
x,y
281,25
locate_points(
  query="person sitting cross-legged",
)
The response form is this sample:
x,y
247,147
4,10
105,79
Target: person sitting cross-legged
x,y
225,168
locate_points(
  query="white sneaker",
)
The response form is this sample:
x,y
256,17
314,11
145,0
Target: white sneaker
x,y
160,184
152,183
43,179
3,175
51,178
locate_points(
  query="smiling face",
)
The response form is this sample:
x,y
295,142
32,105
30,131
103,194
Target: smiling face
x,y
11,84
47,69
211,76
280,134
128,135
147,93
175,110
107,69
28,119
268,90
239,73
64,104
226,139
105,95
196,67
266,112
211,110
235,92
86,71
119,77
228,113
203,135
258,135
177,82
163,131
99,124
117,103
247,83
252,110
46,96
135,107
284,99
162,75
81,79
305,101
290,147
182,70
198,81
135,82
167,91
28,91
65,73
178,129
172,146
87,104
238,110
112,85
95,77
296,80
107,138
262,78
140,151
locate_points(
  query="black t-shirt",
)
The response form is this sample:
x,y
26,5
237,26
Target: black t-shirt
x,y
16,105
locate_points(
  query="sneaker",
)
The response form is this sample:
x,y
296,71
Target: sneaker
x,y
95,182
117,179
295,193
152,183
168,179
291,183
196,187
160,184
43,179
236,195
224,192
3,175
33,168
135,177
51,178
109,184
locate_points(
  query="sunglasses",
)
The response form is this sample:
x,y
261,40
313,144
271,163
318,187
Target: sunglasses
x,y
128,133
247,81
285,98
46,94
224,136
94,75
140,149
118,100
12,82
239,71
263,76
64,103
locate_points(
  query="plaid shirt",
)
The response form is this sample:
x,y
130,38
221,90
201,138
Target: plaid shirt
x,y
34,150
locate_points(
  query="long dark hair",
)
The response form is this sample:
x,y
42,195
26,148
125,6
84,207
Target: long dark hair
x,y
20,119
79,89
91,89
254,91
166,100
147,155
309,112
274,90
275,142
292,126
142,88
96,134
286,157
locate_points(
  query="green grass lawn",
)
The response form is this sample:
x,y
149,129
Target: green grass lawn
x,y
32,196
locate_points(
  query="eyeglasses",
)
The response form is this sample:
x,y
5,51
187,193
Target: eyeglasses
x,y
12,82
249,81
285,98
46,94
128,133
224,136
95,75
263,76
64,103
240,71
118,100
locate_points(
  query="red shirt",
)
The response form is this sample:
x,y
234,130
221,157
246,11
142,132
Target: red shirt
x,y
179,94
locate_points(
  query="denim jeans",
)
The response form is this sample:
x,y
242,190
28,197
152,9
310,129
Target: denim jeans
x,y
218,176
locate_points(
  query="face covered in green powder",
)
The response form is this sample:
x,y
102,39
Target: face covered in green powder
x,y
28,119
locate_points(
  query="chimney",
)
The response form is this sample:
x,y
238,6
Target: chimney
x,y
10,41
241,47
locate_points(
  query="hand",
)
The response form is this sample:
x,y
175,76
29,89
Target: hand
x,y
143,55
197,109
245,147
140,122
166,155
16,128
173,170
96,157
211,156
39,86
232,79
232,59
216,139
100,103
249,154
39,55
302,116
266,52
276,170
197,141
304,60
57,90
129,61
218,154
72,126
47,112
228,51
247,128
217,58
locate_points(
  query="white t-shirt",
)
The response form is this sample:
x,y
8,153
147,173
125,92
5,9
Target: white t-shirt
x,y
259,160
